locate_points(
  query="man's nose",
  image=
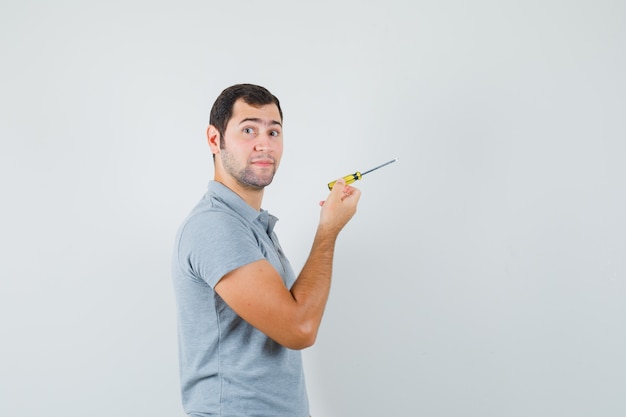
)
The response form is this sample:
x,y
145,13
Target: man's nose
x,y
263,142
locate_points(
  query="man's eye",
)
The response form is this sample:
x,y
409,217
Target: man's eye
x,y
274,133
248,130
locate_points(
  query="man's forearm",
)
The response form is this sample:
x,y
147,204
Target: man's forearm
x,y
312,287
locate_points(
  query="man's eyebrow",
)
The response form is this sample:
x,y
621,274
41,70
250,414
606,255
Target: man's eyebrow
x,y
260,121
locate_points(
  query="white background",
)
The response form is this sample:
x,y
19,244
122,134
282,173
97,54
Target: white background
x,y
484,274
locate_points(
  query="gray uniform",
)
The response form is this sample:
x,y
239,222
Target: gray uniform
x,y
227,367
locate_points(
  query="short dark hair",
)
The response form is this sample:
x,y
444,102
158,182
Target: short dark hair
x,y
254,95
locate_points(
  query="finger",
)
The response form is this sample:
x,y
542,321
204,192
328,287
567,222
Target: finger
x,y
351,193
347,192
337,191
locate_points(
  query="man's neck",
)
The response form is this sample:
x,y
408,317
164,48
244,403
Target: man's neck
x,y
252,196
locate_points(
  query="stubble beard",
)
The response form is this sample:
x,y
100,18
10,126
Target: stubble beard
x,y
246,176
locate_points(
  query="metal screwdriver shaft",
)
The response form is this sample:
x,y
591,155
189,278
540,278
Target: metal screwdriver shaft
x,y
379,166
349,179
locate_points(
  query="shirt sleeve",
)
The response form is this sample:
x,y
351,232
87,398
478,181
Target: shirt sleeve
x,y
212,244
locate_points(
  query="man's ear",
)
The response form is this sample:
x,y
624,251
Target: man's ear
x,y
213,137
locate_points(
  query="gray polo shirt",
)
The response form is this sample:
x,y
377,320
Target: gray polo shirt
x,y
227,367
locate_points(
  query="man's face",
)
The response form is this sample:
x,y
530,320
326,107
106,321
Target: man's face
x,y
252,144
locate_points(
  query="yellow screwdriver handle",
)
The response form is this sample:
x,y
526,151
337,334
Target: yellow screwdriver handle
x,y
349,179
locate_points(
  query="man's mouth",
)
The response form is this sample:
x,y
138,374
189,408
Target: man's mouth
x,y
263,162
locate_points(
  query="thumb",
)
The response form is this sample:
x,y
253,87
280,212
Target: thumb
x,y
338,188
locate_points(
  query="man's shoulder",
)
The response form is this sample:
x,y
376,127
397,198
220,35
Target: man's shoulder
x,y
207,217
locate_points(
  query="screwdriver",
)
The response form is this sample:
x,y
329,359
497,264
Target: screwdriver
x,y
349,179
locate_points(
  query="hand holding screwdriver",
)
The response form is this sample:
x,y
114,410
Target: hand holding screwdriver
x,y
339,207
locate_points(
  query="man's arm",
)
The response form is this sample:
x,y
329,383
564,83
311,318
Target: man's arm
x,y
257,293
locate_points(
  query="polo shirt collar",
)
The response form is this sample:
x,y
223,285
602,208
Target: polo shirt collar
x,y
237,204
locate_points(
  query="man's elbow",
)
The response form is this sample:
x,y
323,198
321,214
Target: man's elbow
x,y
303,336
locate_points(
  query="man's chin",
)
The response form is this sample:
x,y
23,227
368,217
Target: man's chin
x,y
257,183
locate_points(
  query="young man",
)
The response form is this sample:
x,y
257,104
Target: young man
x,y
243,315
